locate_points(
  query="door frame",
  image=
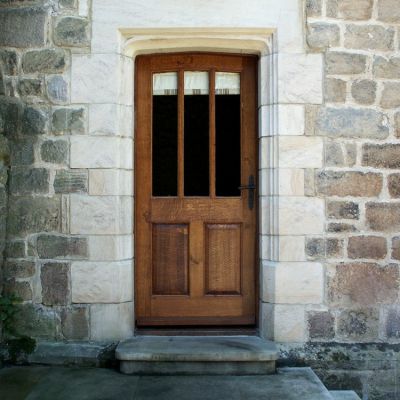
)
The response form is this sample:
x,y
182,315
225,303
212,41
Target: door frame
x,y
199,329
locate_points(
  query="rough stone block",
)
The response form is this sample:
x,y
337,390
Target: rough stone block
x,y
394,185
348,183
22,151
390,95
363,284
15,249
22,290
30,87
335,90
396,248
371,37
72,31
48,61
351,123
397,125
373,247
388,11
57,89
9,62
71,181
28,181
320,248
55,284
321,36
364,91
343,210
54,247
387,67
55,151
23,27
338,63
10,114
321,325
33,214
350,9
392,323
18,269
359,324
339,154
383,217
381,155
36,321
313,8
34,121
68,121
75,323
68,3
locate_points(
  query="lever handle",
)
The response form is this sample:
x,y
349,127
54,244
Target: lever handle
x,y
251,187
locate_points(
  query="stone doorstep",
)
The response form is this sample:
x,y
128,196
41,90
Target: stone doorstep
x,y
219,355
344,395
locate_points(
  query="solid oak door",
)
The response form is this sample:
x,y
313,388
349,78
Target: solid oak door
x,y
196,173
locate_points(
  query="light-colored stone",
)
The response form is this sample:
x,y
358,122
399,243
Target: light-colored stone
x,y
291,119
83,9
301,215
102,215
103,119
110,182
300,152
95,152
289,323
111,321
126,153
369,37
291,182
101,282
293,283
94,78
300,78
110,248
291,248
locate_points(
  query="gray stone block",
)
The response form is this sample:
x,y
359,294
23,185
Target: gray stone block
x,y
71,181
75,323
68,120
19,269
54,247
55,151
22,151
50,61
22,290
23,27
33,214
30,87
55,284
28,181
337,63
34,121
57,89
72,31
10,114
9,62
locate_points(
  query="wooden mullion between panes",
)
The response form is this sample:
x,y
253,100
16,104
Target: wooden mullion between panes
x,y
212,132
181,146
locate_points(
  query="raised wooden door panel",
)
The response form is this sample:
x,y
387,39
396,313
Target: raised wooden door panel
x,y
195,217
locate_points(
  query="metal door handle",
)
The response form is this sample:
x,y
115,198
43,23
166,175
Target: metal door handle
x,y
251,187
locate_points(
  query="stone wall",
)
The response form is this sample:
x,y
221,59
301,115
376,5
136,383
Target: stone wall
x,y
36,41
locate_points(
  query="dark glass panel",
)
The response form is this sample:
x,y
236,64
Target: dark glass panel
x,y
165,145
196,144
227,141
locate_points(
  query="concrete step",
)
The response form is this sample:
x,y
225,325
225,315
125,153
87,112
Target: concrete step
x,y
194,355
344,395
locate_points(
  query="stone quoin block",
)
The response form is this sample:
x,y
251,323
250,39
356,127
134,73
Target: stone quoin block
x,y
383,217
350,9
362,284
373,247
348,183
55,283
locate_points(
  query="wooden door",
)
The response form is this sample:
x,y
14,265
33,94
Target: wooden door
x,y
196,172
